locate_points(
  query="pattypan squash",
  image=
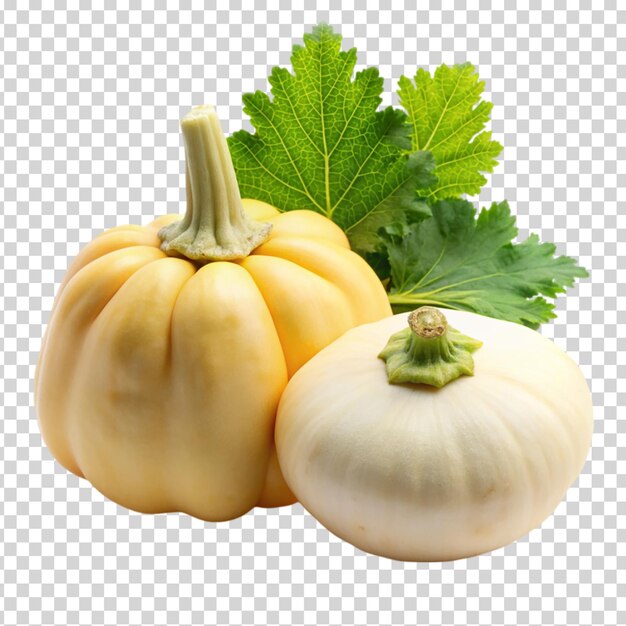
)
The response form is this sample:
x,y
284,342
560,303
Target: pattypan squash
x,y
169,345
425,443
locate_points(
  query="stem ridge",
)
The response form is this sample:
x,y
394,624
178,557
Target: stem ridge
x,y
429,351
215,226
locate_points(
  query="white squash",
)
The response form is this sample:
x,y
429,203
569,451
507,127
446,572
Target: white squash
x,y
415,472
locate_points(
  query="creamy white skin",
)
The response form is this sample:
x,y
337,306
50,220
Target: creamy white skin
x,y
417,473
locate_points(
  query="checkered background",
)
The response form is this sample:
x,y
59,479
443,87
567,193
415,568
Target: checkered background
x,y
90,102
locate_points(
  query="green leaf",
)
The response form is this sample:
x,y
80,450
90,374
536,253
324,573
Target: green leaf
x,y
447,117
459,261
322,144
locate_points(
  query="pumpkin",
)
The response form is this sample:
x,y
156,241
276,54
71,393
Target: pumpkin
x,y
169,345
451,444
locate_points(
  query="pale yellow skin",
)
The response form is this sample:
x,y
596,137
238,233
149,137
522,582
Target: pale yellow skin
x,y
416,473
158,378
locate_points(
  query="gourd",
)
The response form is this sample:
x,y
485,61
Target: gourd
x,y
169,345
451,444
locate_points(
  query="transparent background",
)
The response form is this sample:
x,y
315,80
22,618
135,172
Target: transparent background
x,y
90,100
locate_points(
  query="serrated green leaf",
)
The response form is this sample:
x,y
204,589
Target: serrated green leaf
x,y
457,260
448,117
321,143
402,205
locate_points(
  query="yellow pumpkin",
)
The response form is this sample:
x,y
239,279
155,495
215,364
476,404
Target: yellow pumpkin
x,y
169,345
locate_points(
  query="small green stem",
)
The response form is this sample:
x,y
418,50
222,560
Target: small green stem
x,y
428,351
215,226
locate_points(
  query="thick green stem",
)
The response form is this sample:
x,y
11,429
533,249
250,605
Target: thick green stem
x,y
215,226
428,351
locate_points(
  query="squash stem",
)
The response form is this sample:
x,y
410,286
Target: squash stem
x,y
215,226
429,351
